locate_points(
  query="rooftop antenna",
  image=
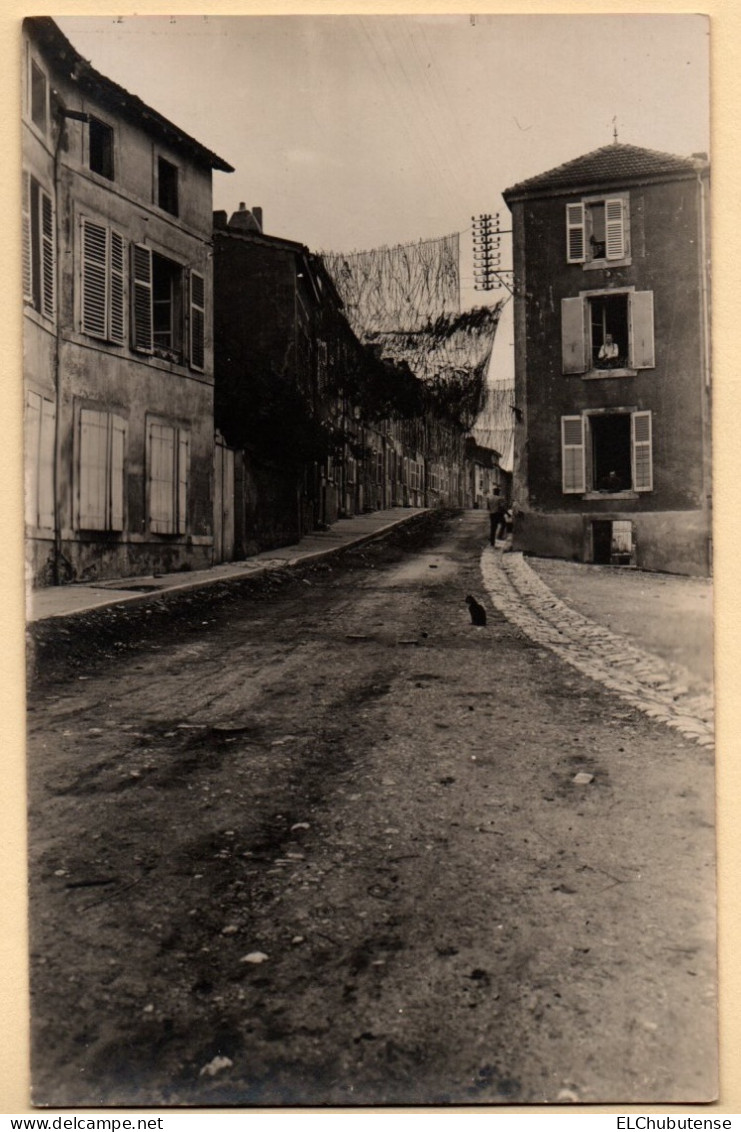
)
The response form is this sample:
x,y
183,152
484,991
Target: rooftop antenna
x,y
614,130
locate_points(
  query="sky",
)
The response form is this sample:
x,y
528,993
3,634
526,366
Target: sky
x,y
353,132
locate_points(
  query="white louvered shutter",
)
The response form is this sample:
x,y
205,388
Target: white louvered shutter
x,y
641,450
32,430
45,515
94,273
141,303
161,478
572,455
641,313
27,267
117,455
116,313
575,237
614,228
48,265
573,336
197,320
93,469
183,479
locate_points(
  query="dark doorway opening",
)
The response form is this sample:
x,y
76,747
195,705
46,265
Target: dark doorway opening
x,y
612,542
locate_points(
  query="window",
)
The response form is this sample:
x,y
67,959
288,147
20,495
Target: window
x,y
102,448
103,285
39,461
598,231
158,304
39,276
607,453
167,186
39,97
168,470
197,320
167,306
607,333
100,138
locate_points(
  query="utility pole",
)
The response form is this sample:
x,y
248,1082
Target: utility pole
x,y
487,253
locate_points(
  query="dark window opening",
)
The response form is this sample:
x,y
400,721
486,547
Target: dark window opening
x,y
609,326
598,237
101,148
38,96
167,307
612,542
611,458
167,186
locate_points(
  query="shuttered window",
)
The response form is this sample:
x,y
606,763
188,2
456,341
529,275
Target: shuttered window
x,y
27,268
47,254
168,464
614,229
103,286
39,461
572,455
575,235
39,263
197,320
102,468
641,451
141,298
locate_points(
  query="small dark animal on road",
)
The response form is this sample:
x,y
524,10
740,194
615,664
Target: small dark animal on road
x,y
477,611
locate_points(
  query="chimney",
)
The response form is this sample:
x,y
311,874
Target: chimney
x,y
257,213
220,218
243,220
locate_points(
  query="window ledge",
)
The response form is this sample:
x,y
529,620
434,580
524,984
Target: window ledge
x,y
605,264
608,496
596,374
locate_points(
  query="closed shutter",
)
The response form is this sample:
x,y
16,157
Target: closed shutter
x,y
572,455
27,267
94,271
141,305
45,515
575,239
614,229
161,478
117,323
47,254
183,479
117,449
93,468
32,429
641,450
197,320
573,337
641,313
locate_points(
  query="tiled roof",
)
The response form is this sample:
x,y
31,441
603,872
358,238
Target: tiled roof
x,y
611,163
68,60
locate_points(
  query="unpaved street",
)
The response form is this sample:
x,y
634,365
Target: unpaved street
x,y
321,843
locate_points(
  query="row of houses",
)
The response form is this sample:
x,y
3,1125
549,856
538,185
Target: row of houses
x,y
194,391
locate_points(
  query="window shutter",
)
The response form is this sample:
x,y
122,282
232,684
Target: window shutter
x,y
47,254
117,449
32,429
572,455
117,325
93,465
197,320
614,229
643,476
183,478
573,338
575,239
141,274
94,265
45,517
161,478
641,313
27,267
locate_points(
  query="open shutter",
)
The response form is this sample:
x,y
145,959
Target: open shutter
x,y
161,478
614,228
93,467
141,304
197,320
572,455
575,239
47,254
573,337
183,478
117,325
641,313
94,271
27,268
45,517
117,450
641,451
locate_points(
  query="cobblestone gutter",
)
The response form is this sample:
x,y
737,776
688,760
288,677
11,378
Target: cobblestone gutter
x,y
645,681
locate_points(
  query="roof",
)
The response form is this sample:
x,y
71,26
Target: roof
x,y
66,60
615,163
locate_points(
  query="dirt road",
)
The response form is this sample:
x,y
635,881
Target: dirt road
x,y
320,842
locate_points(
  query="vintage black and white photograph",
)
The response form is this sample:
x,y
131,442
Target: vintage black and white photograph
x,y
366,379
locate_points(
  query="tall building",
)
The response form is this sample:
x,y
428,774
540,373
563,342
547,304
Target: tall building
x,y
612,375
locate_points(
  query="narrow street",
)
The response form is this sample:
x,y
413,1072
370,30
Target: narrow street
x,y
322,844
